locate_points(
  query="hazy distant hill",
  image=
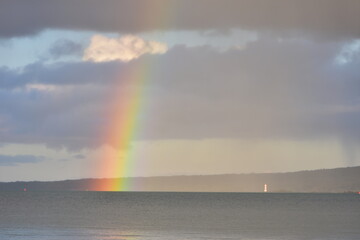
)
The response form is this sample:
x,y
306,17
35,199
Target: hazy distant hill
x,y
327,180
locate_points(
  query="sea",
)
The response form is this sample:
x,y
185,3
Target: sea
x,y
178,216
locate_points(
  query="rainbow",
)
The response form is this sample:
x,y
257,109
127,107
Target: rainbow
x,y
124,124
127,106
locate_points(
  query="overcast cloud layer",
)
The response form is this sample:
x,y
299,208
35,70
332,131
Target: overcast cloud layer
x,y
296,79
330,19
289,89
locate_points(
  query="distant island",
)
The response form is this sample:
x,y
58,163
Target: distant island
x,y
336,180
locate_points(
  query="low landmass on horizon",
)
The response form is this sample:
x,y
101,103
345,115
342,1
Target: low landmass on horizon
x,y
324,180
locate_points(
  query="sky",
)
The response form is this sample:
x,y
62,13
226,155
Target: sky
x,y
177,87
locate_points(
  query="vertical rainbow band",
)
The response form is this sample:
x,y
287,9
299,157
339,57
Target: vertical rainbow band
x,y
124,126
128,105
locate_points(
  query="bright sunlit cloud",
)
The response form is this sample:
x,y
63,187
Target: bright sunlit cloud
x,y
125,49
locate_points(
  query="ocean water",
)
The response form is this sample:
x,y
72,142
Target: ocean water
x,y
177,216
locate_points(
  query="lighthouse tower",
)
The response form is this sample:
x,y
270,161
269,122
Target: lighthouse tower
x,y
265,187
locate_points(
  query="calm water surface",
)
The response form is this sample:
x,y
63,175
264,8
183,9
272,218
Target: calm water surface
x,y
178,216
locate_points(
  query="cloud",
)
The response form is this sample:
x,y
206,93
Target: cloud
x,y
65,47
126,48
332,19
79,156
14,160
271,90
348,53
41,87
37,75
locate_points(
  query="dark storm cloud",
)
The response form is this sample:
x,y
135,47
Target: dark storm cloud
x,y
14,160
325,18
272,89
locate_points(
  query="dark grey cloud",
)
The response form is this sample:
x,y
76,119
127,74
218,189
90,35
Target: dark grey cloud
x,y
79,156
70,118
272,89
14,160
325,18
66,47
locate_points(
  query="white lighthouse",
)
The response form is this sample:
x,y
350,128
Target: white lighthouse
x,y
265,187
